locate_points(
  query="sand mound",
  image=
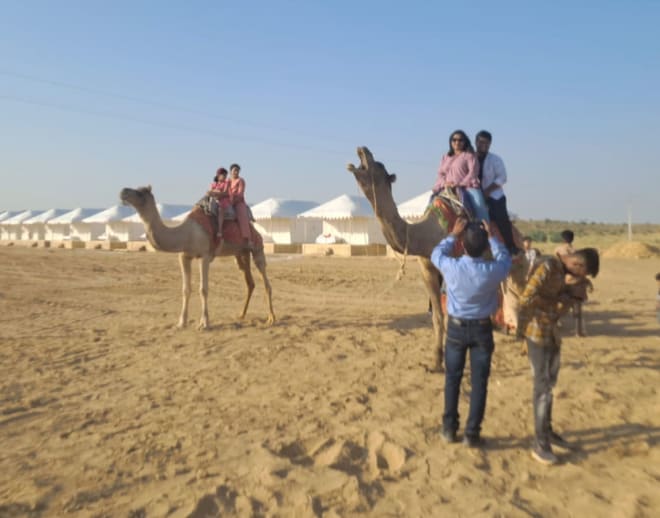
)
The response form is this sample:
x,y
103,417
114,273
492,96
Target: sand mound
x,y
632,250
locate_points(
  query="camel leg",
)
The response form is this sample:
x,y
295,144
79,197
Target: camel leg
x,y
243,262
185,263
204,263
260,263
432,281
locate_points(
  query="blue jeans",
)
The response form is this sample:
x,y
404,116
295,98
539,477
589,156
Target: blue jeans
x,y
477,203
478,339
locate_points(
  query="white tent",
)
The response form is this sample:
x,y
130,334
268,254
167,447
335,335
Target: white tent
x,y
62,227
413,209
34,229
9,214
111,220
348,218
6,215
276,221
12,227
180,217
135,227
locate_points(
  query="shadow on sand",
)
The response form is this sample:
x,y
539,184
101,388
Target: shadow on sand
x,y
590,440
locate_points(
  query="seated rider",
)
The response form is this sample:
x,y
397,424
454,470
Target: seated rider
x,y
460,168
220,193
237,198
492,175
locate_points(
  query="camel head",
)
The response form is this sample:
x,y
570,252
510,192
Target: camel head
x,y
371,175
141,198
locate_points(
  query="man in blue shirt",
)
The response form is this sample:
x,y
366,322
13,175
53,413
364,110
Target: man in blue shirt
x,y
472,293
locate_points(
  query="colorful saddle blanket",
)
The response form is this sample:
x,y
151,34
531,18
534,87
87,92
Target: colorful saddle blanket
x,y
230,230
448,207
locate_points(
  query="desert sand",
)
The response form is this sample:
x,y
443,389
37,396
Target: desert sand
x,y
107,410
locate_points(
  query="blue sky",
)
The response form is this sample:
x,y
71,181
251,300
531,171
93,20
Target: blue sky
x,y
99,96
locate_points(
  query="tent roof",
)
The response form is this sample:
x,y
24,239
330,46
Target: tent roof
x,y
114,213
415,206
74,215
280,208
46,216
341,207
182,215
167,211
9,214
21,217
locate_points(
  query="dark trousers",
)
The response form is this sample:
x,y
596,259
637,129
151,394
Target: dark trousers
x,y
478,339
545,369
500,215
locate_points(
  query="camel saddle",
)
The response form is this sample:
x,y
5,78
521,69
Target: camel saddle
x,y
448,206
230,229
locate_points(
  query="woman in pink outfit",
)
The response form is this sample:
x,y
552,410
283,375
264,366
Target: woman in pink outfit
x,y
237,199
460,168
220,192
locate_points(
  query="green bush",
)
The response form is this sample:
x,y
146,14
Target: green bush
x,y
538,235
555,237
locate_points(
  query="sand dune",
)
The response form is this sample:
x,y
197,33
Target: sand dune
x,y
107,410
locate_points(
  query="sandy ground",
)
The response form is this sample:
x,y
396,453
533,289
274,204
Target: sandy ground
x,y
107,410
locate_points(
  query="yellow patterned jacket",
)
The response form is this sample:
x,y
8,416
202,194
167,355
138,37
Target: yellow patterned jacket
x,y
542,303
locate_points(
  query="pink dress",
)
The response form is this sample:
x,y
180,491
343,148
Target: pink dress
x,y
237,197
225,201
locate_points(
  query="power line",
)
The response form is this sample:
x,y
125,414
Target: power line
x,y
158,104
166,125
192,129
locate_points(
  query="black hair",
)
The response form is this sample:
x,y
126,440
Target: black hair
x,y
475,239
567,235
657,277
220,171
528,238
591,260
484,134
234,166
466,139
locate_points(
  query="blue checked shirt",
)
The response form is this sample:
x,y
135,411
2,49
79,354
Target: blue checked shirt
x,y
472,283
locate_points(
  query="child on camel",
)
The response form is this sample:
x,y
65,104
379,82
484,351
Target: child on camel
x,y
657,299
237,199
220,192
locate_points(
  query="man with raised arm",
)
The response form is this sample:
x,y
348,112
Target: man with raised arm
x,y
472,292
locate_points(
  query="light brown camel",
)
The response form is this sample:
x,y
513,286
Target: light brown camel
x,y
191,241
418,239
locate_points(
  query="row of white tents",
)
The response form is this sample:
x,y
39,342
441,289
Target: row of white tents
x,y
348,219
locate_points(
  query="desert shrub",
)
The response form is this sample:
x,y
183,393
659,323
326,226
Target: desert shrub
x,y
555,237
537,235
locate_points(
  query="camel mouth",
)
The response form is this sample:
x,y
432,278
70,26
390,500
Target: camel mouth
x,y
364,155
124,195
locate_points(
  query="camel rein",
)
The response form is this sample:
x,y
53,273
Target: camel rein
x,y
402,261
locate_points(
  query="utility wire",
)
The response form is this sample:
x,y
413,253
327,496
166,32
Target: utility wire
x,y
186,128
158,104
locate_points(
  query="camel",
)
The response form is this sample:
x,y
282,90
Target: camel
x,y
190,240
417,239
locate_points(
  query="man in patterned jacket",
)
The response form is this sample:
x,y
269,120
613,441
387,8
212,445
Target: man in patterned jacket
x,y
545,298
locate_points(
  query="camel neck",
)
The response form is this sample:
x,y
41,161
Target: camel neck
x,y
162,237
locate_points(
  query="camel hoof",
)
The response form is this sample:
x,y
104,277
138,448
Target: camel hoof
x,y
203,326
181,325
270,320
